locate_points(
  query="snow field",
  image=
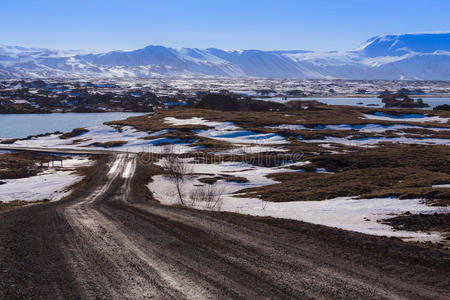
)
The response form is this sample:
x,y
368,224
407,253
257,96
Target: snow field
x,y
228,132
51,184
410,118
134,139
349,213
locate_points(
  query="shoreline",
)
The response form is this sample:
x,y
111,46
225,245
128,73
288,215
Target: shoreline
x,y
354,96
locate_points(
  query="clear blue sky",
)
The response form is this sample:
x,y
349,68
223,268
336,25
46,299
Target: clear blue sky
x,y
228,24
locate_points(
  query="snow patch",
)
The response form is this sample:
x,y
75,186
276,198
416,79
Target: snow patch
x,y
200,121
447,185
52,184
360,215
409,118
134,141
376,140
370,127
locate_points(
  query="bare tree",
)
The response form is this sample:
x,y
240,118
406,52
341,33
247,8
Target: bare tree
x,y
177,170
210,195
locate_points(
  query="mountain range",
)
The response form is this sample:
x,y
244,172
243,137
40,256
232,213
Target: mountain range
x,y
422,56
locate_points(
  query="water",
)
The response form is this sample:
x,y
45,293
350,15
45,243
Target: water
x,y
401,116
23,125
364,102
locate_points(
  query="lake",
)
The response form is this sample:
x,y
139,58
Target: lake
x,y
23,125
366,102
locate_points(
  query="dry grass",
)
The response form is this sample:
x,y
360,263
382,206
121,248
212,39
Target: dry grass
x,y
21,164
257,120
73,133
145,171
227,178
109,144
398,170
421,222
17,203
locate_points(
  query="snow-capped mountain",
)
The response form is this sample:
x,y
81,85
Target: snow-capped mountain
x,y
404,56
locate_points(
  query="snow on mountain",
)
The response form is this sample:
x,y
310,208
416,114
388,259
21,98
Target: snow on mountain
x,y
401,44
405,56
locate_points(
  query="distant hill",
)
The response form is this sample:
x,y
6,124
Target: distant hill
x,y
405,56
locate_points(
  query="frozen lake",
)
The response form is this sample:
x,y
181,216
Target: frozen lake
x,y
365,102
23,125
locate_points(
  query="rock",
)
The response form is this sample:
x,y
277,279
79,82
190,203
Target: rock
x,y
393,101
442,107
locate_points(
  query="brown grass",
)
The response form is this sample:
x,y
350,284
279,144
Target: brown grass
x,y
227,178
109,144
18,203
405,171
21,164
73,133
421,222
145,171
257,120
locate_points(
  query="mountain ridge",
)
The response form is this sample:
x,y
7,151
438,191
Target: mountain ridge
x,y
404,56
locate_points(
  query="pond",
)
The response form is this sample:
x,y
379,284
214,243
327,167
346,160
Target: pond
x,y
23,125
364,102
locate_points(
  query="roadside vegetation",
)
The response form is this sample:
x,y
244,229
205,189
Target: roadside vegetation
x,y
16,165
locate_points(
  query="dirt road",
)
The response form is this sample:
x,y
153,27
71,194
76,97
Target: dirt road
x,y
106,242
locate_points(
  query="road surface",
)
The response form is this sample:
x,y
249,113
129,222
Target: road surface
x,y
107,242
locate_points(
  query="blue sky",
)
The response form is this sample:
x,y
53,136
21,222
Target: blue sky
x,y
228,24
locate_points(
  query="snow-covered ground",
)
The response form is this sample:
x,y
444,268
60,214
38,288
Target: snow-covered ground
x,y
164,191
368,128
407,118
200,121
447,185
229,132
52,184
250,149
244,141
139,141
134,140
243,137
361,215
376,140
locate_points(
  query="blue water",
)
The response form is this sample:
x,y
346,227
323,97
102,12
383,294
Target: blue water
x,y
262,136
251,135
368,138
401,116
236,134
23,125
365,102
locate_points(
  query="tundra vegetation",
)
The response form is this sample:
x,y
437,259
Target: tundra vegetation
x,y
386,169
